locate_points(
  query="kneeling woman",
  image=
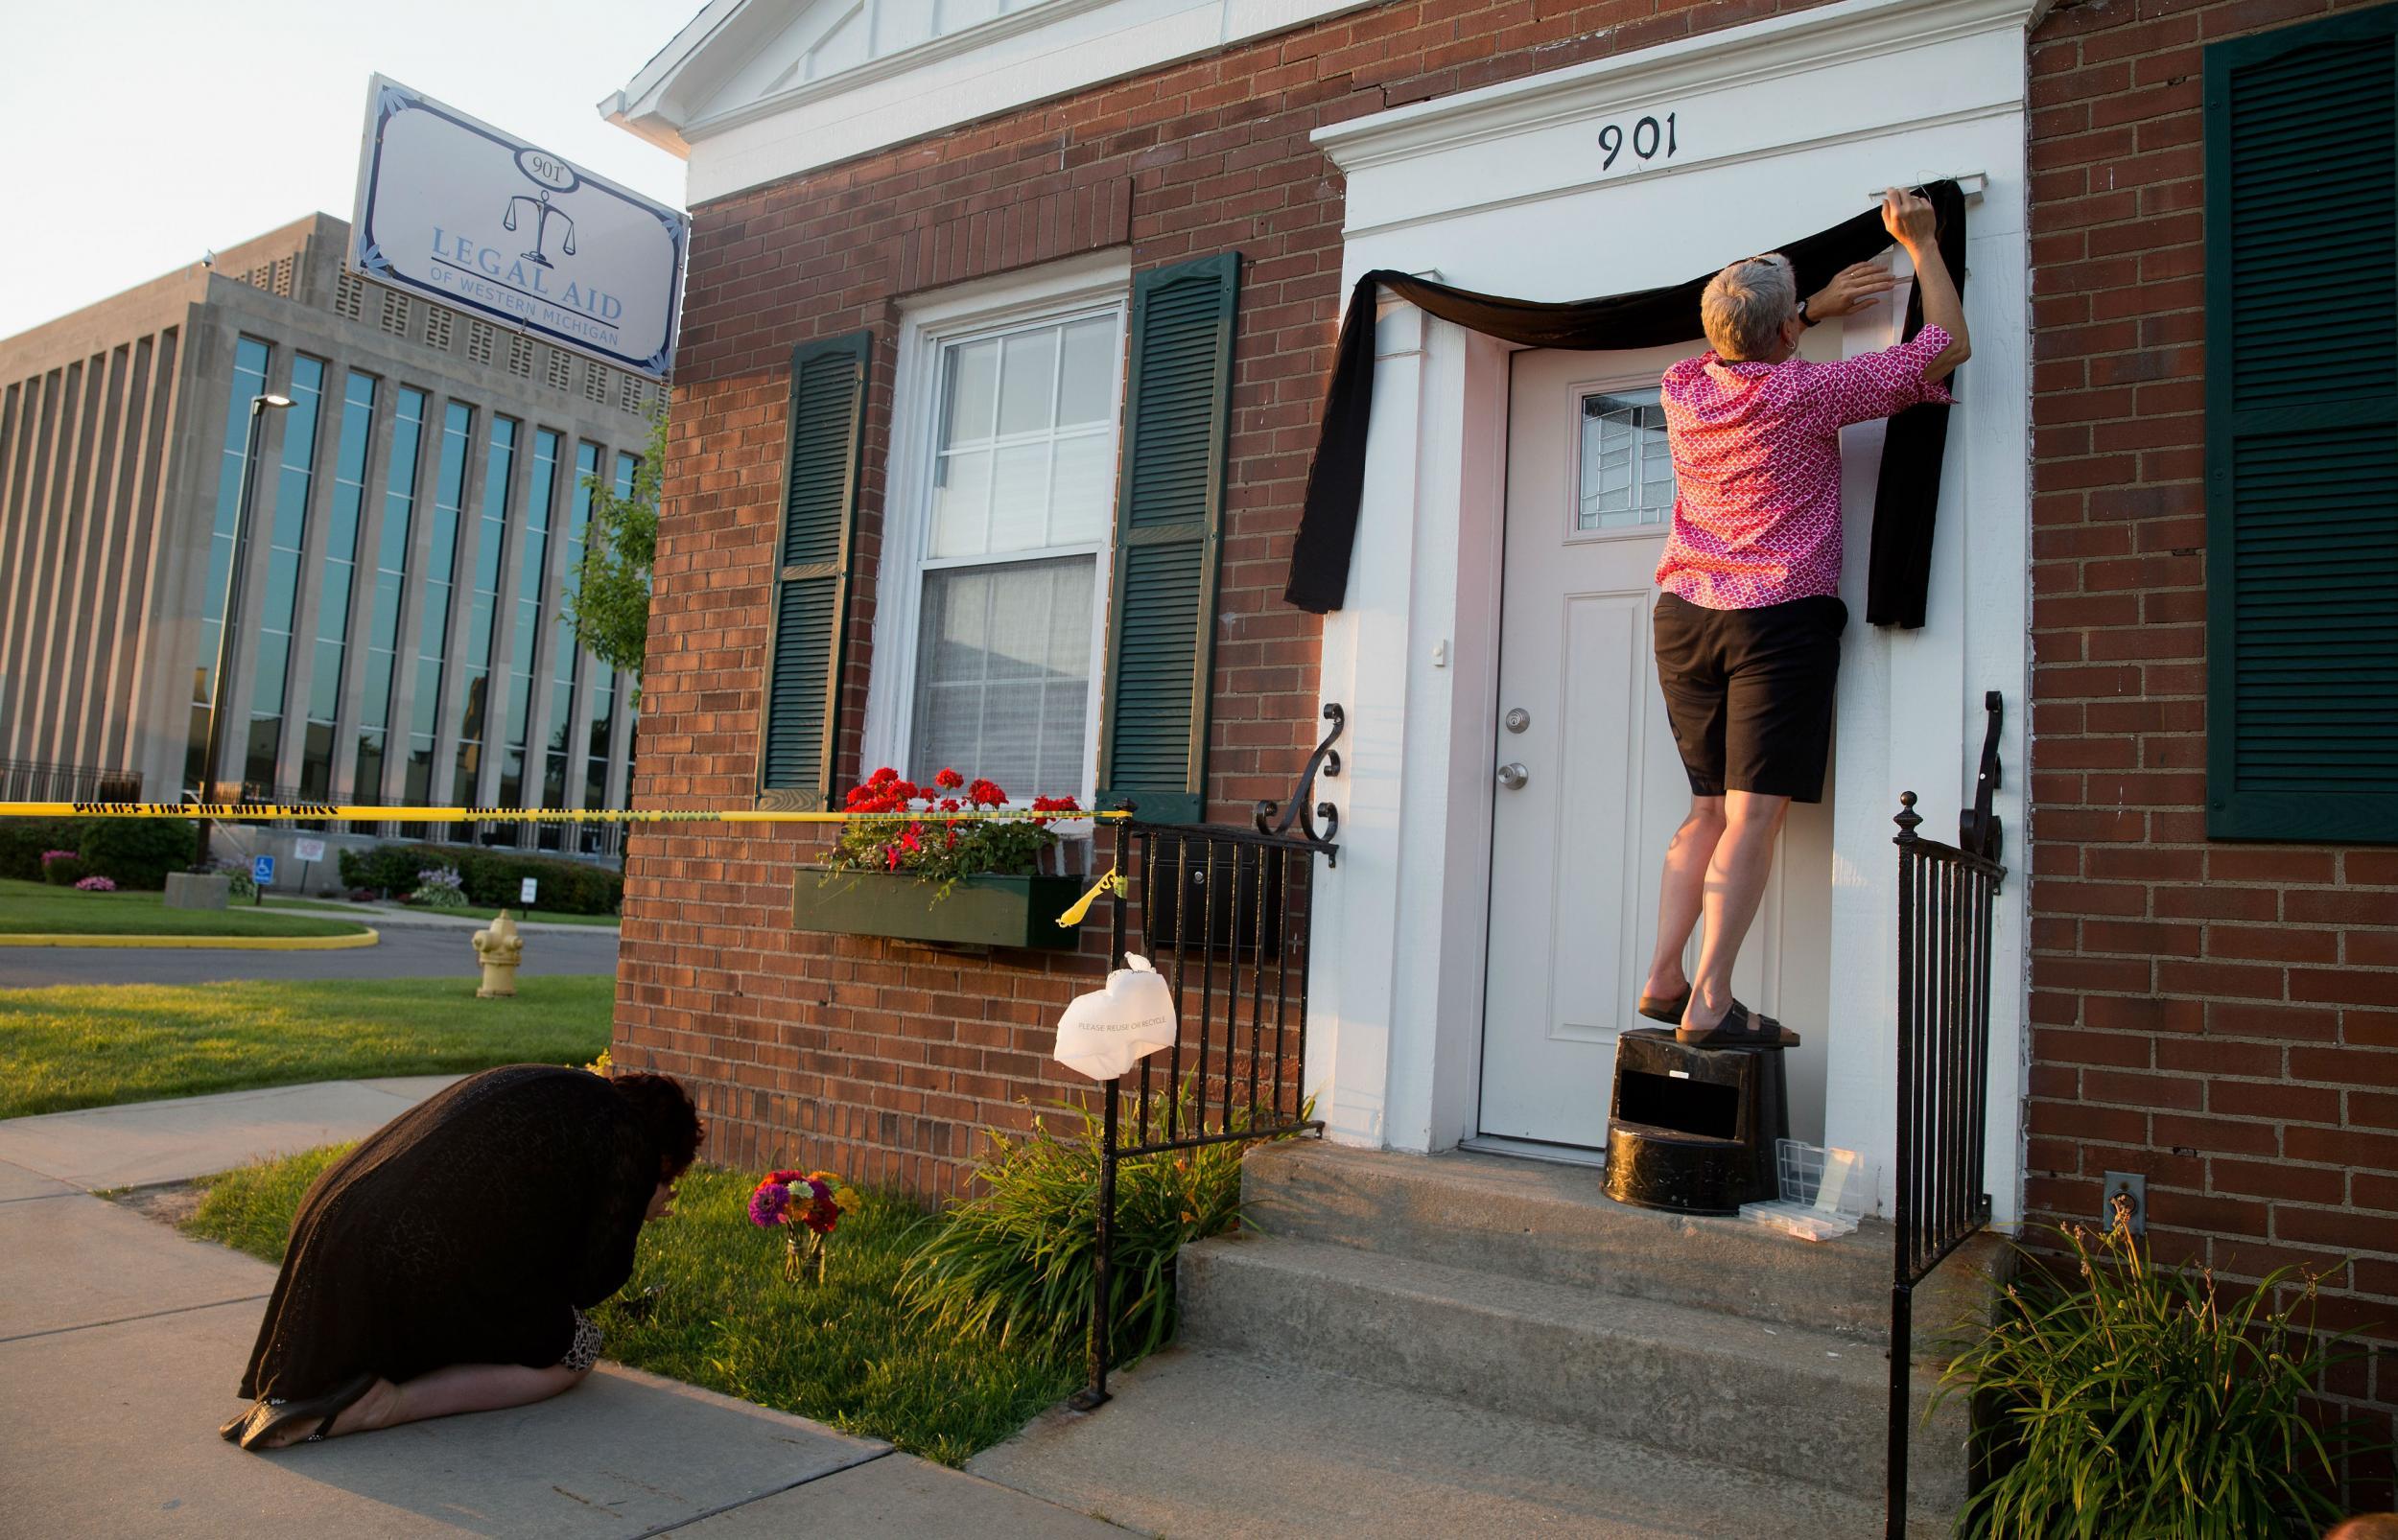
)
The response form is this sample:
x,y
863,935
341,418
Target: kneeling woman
x,y
444,1265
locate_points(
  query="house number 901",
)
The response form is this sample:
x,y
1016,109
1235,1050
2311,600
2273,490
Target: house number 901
x,y
1652,139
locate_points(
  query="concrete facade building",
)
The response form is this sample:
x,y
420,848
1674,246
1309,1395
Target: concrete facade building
x,y
418,518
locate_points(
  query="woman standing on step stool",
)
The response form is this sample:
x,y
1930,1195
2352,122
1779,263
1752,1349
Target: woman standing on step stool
x,y
1747,627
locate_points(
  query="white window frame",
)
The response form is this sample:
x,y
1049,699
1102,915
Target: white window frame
x,y
1096,284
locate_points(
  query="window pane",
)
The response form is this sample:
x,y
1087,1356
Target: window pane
x,y
1004,675
961,505
1028,385
1081,489
974,383
1626,467
1019,499
1087,393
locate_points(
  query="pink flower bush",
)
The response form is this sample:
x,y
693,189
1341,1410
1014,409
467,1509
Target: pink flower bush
x,y
96,884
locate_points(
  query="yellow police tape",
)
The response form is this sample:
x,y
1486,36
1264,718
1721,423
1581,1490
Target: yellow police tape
x,y
331,813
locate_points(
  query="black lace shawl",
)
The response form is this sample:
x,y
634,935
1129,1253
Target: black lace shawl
x,y
466,1230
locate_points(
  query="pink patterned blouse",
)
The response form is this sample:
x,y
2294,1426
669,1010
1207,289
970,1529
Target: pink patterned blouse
x,y
1757,467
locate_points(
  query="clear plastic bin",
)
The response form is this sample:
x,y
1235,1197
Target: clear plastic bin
x,y
1808,1207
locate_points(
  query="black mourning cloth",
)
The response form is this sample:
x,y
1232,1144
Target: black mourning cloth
x,y
1905,497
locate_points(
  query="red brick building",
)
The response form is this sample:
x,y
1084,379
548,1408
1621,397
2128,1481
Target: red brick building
x,y
2179,223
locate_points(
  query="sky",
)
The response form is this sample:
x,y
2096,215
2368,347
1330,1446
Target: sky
x,y
147,133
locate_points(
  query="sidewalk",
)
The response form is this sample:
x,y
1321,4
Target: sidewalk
x,y
383,916
121,1341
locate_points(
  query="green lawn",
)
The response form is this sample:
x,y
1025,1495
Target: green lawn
x,y
706,1304
93,1045
40,909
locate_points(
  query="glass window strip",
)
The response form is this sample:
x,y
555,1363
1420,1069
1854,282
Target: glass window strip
x,y
285,536
251,358
382,613
483,615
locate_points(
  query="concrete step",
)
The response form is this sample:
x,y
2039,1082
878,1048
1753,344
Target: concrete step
x,y
1203,1443
1550,1222
1784,1401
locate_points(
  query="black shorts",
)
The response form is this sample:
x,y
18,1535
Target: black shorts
x,y
1749,692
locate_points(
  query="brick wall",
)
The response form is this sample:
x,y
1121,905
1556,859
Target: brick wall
x,y
2223,1017
885,1060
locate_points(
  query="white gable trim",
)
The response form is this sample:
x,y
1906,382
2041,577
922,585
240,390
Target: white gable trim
x,y
1048,50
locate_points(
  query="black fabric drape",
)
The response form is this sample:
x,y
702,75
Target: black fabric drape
x,y
1653,317
466,1230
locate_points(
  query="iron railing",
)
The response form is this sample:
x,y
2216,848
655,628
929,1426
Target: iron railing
x,y
37,781
1947,903
1222,913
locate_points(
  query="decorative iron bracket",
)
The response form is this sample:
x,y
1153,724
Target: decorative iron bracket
x,y
1326,760
1978,829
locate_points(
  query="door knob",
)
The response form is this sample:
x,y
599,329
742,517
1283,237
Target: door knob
x,y
1512,777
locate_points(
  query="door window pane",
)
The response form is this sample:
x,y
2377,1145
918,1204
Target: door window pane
x,y
1627,478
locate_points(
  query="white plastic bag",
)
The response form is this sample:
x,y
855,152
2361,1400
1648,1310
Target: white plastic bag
x,y
1108,1031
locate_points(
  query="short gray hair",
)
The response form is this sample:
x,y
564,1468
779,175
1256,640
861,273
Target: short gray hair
x,y
1745,305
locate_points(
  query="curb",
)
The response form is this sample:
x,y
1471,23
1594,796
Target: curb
x,y
241,944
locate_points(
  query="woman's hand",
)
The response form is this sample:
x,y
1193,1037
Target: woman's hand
x,y
1909,219
1852,289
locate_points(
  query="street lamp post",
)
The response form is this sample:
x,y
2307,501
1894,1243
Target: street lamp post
x,y
228,614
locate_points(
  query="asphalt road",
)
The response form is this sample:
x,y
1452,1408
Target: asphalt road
x,y
402,953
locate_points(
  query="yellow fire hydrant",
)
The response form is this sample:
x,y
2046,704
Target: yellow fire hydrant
x,y
500,949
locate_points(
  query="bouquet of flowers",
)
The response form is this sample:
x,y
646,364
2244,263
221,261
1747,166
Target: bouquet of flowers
x,y
808,1202
930,831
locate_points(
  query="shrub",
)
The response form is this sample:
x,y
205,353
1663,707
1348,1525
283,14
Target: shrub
x,y
2132,1401
138,852
23,840
437,888
97,884
62,868
236,873
489,878
1015,1261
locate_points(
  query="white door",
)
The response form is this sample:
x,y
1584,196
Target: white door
x,y
1590,787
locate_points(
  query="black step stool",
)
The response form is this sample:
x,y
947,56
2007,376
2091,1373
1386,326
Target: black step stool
x,y
1692,1129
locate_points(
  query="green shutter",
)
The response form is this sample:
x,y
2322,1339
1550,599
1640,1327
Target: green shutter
x,y
2302,432
1169,517
813,569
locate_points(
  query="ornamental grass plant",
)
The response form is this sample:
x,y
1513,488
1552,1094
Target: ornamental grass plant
x,y
1014,1263
2134,1401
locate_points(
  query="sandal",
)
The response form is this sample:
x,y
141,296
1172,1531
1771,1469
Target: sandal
x,y
1665,1008
1740,1028
270,1416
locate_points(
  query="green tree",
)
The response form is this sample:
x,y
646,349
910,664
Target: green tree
x,y
610,610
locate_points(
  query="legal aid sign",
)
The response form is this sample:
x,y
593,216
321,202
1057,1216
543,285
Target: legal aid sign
x,y
452,208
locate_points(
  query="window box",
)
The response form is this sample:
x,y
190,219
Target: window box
x,y
980,910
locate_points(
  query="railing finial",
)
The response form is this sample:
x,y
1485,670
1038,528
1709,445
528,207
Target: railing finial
x,y
1908,818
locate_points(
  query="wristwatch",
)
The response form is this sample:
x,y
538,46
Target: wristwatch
x,y
1804,318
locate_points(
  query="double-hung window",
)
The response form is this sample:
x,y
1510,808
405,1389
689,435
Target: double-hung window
x,y
1045,581
992,590
1014,514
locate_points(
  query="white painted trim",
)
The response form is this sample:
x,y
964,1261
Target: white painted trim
x,y
1750,54
1049,50
1400,948
1094,282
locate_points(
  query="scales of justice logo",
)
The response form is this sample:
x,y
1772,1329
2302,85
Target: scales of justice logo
x,y
549,175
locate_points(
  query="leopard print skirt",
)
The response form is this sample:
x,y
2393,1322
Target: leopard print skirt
x,y
585,1350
